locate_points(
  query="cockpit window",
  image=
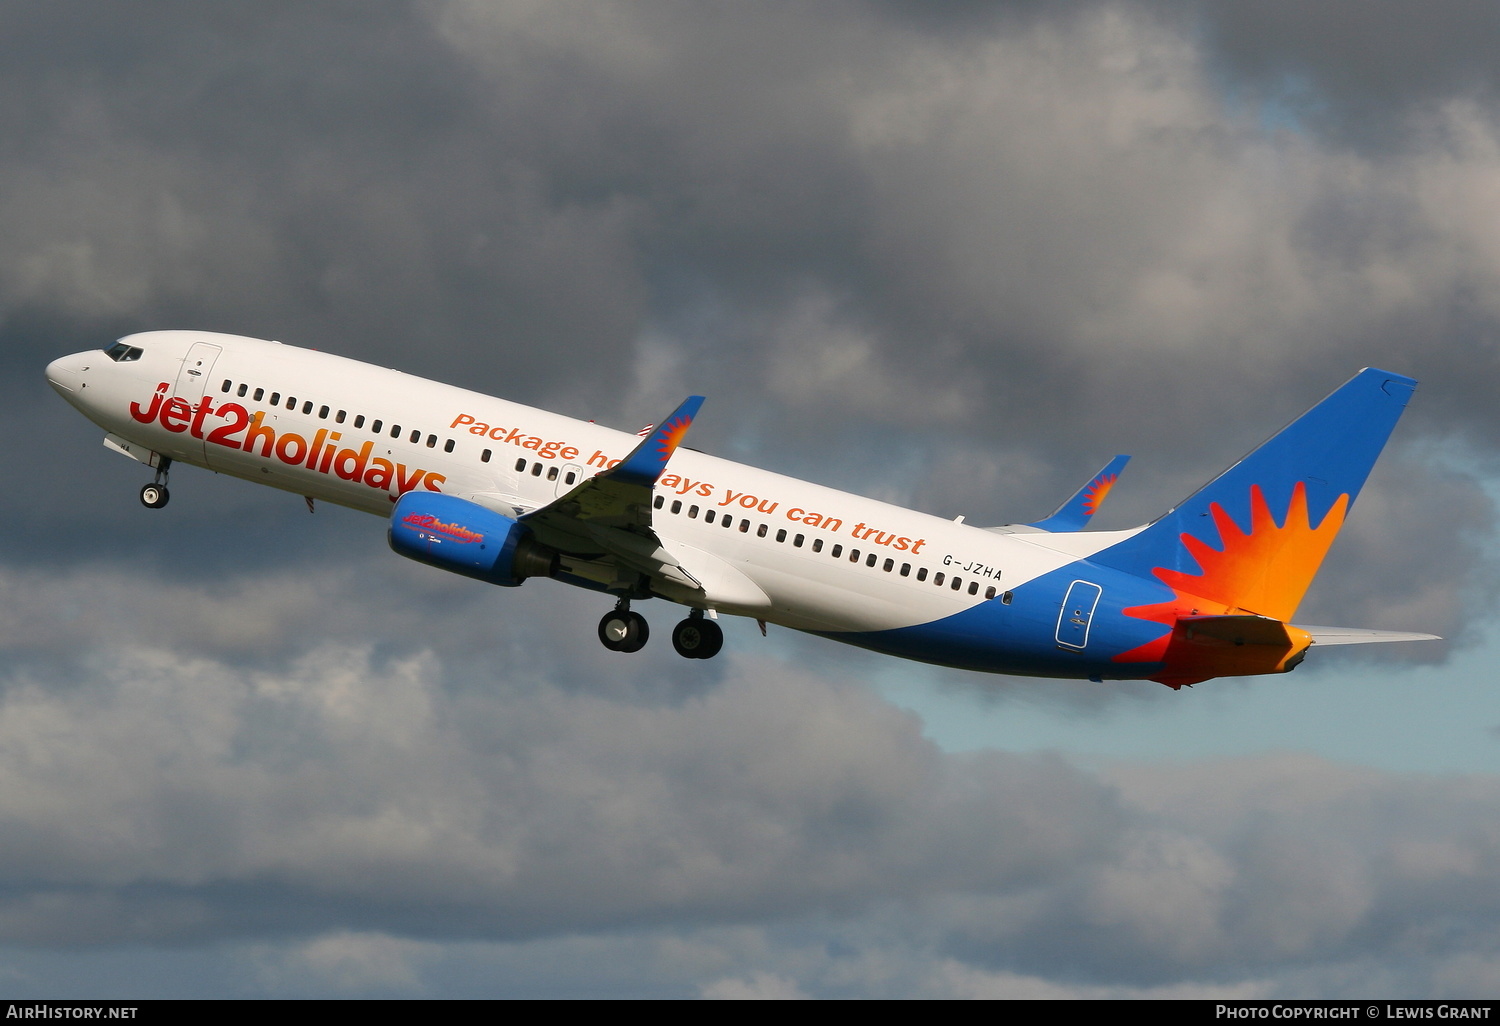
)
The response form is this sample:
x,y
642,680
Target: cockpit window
x,y
121,353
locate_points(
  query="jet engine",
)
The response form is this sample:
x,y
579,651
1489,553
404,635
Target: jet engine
x,y
466,538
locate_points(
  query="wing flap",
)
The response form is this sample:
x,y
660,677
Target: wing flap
x,y
721,584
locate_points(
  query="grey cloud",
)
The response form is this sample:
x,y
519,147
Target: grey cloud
x,y
369,791
175,798
1368,70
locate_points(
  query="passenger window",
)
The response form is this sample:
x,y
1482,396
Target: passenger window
x,y
432,441
797,541
242,390
973,587
728,521
227,385
259,394
322,413
338,418
708,517
661,500
905,569
448,447
692,512
890,565
781,535
1005,598
744,527
921,573
760,532
838,550
520,466
989,592
536,470
854,555
307,407
937,578
569,477
870,561
817,544
957,583
396,433
359,421
676,505
376,425
551,471
416,436
484,457
275,398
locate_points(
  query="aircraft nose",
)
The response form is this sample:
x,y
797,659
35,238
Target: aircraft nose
x,y
65,374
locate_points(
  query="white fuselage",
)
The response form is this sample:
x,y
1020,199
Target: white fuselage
x,y
342,431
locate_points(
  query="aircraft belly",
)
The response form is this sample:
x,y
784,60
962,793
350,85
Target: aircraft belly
x,y
833,603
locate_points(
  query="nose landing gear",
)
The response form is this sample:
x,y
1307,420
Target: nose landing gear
x,y
155,494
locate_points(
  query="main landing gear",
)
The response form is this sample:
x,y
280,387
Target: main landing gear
x,y
624,631
697,637
155,494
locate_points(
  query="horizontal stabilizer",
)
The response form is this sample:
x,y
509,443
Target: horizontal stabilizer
x,y
1361,636
1202,647
1075,514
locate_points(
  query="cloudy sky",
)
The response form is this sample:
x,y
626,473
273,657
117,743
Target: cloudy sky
x,y
954,255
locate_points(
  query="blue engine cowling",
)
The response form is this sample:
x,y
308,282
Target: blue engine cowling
x,y
465,538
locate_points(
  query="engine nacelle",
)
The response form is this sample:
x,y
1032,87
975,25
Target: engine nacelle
x,y
465,538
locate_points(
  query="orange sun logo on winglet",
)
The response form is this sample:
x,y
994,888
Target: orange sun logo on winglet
x,y
1097,491
1265,570
672,434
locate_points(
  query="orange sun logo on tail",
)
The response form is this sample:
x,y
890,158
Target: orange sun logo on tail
x,y
1264,571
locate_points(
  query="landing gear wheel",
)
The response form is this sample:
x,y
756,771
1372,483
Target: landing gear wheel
x,y
697,638
155,494
640,632
624,631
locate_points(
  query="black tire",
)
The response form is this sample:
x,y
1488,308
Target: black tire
x,y
623,632
697,638
640,633
154,496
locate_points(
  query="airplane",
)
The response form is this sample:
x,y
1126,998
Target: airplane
x,y
503,493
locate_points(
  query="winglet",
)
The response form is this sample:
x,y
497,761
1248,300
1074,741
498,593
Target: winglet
x,y
1075,514
647,461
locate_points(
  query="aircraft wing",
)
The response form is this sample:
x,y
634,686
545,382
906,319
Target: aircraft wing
x,y
1361,636
609,516
1075,514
